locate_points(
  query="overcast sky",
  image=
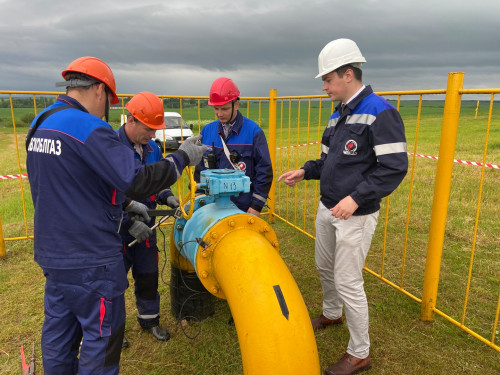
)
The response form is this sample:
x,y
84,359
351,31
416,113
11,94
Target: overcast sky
x,y
178,47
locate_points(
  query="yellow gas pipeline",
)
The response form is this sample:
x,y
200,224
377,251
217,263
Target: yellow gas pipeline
x,y
236,257
273,325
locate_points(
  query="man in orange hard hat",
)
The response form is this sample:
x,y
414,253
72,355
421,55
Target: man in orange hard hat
x,y
146,115
80,175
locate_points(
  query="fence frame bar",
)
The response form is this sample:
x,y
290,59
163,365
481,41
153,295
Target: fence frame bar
x,y
442,187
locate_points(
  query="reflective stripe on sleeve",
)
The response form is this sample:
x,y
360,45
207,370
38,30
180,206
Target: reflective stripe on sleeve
x,y
390,148
259,197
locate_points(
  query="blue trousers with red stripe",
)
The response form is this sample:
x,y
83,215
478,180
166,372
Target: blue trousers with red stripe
x,y
84,303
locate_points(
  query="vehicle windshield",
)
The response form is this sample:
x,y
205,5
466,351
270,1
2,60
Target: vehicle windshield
x,y
174,123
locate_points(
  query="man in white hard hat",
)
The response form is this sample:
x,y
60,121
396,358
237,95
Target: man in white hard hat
x,y
363,159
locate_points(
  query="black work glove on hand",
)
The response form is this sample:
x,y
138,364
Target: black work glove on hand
x,y
140,231
172,201
193,149
138,211
166,197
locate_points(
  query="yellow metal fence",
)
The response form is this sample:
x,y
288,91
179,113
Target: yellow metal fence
x,y
428,235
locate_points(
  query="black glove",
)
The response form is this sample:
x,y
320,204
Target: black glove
x,y
193,149
138,211
163,197
173,201
168,200
140,231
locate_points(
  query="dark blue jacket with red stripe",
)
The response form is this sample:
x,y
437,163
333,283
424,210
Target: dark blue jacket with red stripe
x,y
363,153
80,173
151,154
249,144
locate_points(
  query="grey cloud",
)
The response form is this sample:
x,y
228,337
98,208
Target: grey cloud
x,y
180,47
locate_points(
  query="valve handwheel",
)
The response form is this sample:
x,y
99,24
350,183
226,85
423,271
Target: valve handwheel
x,y
189,198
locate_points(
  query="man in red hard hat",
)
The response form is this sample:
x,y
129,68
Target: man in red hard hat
x,y
146,116
363,159
80,175
236,142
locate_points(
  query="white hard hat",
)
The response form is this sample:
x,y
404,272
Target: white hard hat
x,y
337,53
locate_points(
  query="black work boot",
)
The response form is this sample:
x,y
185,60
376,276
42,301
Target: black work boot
x,y
125,343
161,334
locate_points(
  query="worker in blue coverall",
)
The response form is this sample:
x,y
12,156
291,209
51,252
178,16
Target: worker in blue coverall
x,y
363,159
236,142
146,116
80,174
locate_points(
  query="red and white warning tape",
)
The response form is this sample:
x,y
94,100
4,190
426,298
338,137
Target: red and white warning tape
x,y
303,144
494,166
12,176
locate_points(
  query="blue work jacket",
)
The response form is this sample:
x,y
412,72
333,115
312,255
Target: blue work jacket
x,y
80,173
363,153
151,154
247,142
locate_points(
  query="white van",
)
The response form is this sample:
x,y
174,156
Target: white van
x,y
175,132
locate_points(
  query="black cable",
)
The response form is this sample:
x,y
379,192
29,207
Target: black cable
x,y
165,257
194,292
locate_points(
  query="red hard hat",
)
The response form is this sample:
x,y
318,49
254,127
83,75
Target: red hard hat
x,y
223,91
148,109
95,68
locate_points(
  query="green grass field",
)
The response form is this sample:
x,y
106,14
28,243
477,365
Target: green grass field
x,y
401,343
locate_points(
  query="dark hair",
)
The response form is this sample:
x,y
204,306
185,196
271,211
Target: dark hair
x,y
81,77
358,74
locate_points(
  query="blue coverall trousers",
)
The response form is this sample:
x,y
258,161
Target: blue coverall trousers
x,y
84,303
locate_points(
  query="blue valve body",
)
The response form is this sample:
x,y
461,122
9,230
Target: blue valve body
x,y
209,209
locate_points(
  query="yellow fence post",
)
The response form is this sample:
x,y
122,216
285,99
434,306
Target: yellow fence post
x,y
3,253
442,186
273,93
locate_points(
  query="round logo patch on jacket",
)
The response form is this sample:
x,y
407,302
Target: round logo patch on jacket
x,y
242,166
350,147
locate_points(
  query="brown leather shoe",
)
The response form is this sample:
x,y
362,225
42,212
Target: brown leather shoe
x,y
349,365
321,322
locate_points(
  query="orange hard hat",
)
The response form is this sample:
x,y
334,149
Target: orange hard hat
x,y
223,91
94,68
148,109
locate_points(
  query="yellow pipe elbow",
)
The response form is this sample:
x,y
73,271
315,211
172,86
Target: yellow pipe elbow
x,y
273,325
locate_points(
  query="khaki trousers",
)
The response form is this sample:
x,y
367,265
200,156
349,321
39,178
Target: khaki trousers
x,y
340,251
